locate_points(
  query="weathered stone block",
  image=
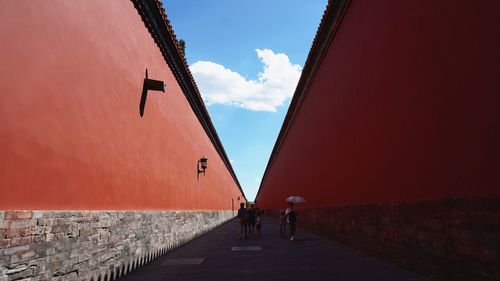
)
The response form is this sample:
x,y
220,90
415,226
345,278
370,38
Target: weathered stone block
x,y
84,226
22,274
16,250
17,215
4,224
61,236
39,266
21,257
4,243
16,269
38,214
50,237
15,232
36,230
60,228
20,240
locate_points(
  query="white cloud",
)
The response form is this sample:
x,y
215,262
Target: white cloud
x,y
275,84
231,161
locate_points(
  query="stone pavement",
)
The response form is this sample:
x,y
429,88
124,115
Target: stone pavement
x,y
213,256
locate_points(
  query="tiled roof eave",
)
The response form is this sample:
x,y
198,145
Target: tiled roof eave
x,y
155,19
330,22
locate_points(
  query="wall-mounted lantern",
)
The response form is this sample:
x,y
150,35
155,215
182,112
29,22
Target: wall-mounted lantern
x,y
202,165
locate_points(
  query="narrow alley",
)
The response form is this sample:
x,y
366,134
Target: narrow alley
x,y
126,148
220,255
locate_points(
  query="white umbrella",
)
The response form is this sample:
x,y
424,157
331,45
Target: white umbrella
x,y
295,199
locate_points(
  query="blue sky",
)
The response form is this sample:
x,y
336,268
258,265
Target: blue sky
x,y
246,57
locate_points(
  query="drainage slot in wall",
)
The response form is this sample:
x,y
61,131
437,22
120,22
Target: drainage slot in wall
x,y
171,262
249,248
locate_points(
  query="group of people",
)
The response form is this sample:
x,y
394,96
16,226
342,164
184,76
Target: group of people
x,y
250,221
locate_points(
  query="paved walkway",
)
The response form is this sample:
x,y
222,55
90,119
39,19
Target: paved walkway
x,y
309,257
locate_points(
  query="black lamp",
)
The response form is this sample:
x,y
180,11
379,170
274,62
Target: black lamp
x,y
202,165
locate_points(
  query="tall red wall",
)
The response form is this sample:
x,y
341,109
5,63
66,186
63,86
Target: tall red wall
x,y
71,137
404,106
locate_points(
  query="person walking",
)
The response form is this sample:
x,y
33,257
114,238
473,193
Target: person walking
x,y
283,223
291,216
258,223
251,220
243,217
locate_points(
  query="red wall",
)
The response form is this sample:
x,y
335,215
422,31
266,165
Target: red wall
x,y
71,137
404,106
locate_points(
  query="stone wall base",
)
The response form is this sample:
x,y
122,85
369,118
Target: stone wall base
x,y
93,245
450,239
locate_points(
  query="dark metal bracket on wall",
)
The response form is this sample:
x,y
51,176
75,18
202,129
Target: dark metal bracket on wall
x,y
155,20
149,84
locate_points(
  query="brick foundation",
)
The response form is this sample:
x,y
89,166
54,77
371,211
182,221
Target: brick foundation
x,y
93,245
451,239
